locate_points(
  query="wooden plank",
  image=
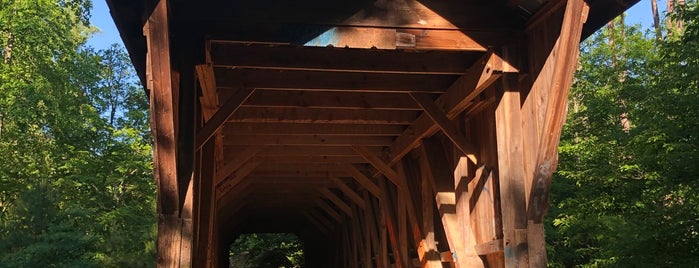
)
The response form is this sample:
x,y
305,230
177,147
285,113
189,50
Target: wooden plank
x,y
324,81
362,179
160,84
429,14
245,55
349,193
235,163
372,226
553,81
301,150
431,258
331,99
336,201
491,247
380,165
508,124
318,226
312,159
207,83
435,168
390,219
318,217
440,119
205,203
323,140
223,113
239,175
311,129
322,116
454,101
328,210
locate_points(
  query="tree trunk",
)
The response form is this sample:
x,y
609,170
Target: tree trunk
x,y
656,20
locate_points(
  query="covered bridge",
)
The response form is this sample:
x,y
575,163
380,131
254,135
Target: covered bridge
x,y
384,133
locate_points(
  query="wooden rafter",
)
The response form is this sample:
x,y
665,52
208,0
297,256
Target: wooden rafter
x,y
380,165
347,191
224,172
454,101
336,200
239,175
362,179
448,128
223,113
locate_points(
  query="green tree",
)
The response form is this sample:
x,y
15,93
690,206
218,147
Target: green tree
x,y
628,197
75,174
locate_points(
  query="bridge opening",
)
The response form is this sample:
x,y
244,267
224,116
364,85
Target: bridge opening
x,y
267,250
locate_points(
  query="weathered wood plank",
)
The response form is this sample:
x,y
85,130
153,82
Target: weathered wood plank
x,y
223,113
235,163
379,164
245,55
330,99
323,140
336,200
362,179
454,101
511,175
440,119
311,129
231,181
322,116
322,81
351,194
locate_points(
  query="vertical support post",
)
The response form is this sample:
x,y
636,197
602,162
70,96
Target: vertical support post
x,y
553,62
511,174
173,250
206,201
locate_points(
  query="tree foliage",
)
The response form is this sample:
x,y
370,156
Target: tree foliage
x,y
629,196
267,250
75,174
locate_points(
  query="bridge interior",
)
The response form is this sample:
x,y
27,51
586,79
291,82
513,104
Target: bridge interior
x,y
388,133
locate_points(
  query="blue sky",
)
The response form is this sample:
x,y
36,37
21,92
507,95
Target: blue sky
x,y
639,13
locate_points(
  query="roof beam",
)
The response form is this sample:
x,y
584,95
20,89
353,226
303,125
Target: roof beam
x,y
323,116
336,200
242,55
311,129
380,165
235,163
223,113
324,81
327,99
351,194
362,179
455,100
448,128
322,140
226,185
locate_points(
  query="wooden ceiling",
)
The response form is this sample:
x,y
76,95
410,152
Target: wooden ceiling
x,y
310,123
308,99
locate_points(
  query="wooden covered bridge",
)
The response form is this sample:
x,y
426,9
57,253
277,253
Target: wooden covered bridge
x,y
384,133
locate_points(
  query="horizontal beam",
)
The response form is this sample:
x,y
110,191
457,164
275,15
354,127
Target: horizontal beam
x,y
294,151
330,140
228,79
313,159
331,99
283,57
310,129
322,116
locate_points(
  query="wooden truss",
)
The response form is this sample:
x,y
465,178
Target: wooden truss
x,y
391,133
